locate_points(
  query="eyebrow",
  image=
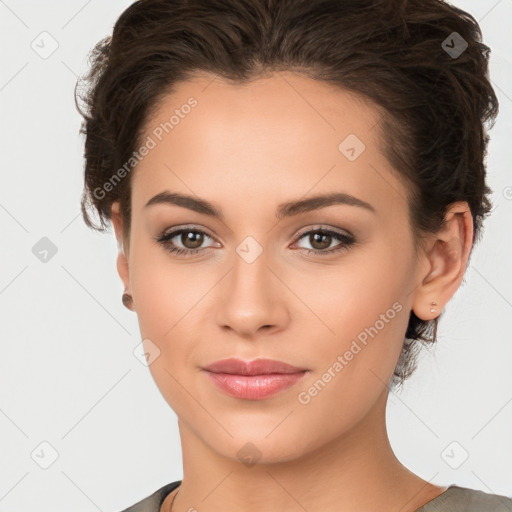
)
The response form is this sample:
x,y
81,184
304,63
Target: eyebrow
x,y
288,209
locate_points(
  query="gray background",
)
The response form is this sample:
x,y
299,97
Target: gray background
x,y
68,375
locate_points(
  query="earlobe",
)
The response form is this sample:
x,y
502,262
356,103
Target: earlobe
x,y
446,261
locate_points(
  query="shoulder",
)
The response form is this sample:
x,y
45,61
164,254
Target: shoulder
x,y
463,499
153,502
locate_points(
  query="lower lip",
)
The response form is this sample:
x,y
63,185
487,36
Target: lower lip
x,y
254,387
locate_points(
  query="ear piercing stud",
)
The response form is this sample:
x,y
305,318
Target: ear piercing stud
x,y
127,300
433,310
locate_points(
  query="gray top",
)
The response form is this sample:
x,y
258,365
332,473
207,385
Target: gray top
x,y
462,499
454,499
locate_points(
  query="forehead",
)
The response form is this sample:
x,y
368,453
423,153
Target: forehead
x,y
282,133
303,106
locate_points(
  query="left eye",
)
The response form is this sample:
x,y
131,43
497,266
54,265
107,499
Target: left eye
x,y
323,238
193,239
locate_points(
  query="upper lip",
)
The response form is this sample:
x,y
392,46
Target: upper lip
x,y
255,367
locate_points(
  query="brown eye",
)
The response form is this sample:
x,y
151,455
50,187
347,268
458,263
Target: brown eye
x,y
184,241
321,241
192,239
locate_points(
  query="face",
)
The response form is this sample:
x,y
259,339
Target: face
x,y
325,287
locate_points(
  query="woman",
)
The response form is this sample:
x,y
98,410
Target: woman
x,y
296,188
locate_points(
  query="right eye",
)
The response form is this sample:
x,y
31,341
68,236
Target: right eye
x,y
190,238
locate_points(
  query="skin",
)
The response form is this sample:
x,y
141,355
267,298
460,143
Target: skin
x,y
246,149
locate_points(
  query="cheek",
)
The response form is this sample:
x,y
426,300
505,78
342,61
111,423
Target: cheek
x,y
163,292
353,295
364,308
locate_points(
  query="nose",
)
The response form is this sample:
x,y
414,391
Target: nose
x,y
251,298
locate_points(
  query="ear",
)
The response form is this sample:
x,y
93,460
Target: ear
x,y
444,262
122,259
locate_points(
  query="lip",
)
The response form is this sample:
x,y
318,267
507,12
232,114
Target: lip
x,y
255,367
253,380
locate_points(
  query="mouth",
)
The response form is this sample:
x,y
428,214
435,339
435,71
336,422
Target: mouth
x,y
253,380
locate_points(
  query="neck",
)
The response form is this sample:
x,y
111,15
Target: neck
x,y
356,471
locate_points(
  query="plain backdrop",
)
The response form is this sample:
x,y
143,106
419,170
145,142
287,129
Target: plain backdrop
x,y
75,398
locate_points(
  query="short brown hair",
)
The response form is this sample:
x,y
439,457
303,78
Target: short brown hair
x,y
397,53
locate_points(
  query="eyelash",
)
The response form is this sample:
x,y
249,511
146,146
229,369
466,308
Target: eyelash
x,y
347,241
